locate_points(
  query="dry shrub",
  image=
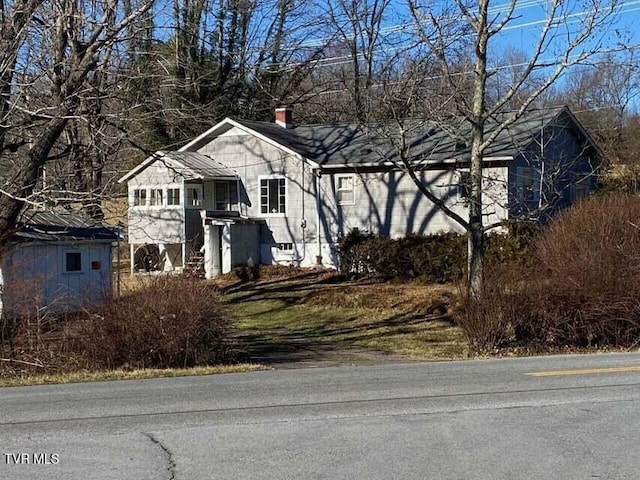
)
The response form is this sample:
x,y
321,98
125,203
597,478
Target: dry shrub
x,y
175,321
582,288
589,272
495,321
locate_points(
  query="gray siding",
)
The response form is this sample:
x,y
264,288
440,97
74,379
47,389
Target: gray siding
x,y
245,241
390,203
254,158
555,158
386,203
33,276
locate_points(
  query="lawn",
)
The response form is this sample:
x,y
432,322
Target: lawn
x,y
321,308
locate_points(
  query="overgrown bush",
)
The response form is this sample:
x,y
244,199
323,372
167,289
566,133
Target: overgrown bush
x,y
173,322
438,258
581,288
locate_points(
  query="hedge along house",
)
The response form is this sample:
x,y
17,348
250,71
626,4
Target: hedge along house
x,y
56,262
293,190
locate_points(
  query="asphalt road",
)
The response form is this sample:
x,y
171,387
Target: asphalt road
x,y
566,417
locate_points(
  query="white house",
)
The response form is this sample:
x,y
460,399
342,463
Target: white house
x,y
258,192
56,262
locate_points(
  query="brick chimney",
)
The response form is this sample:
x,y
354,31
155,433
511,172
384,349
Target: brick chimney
x,y
284,117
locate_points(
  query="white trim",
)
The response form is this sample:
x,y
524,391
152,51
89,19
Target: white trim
x,y
180,196
227,185
131,198
147,162
458,185
337,178
230,122
447,161
286,195
187,201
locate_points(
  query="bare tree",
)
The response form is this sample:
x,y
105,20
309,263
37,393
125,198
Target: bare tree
x,y
566,37
50,54
604,95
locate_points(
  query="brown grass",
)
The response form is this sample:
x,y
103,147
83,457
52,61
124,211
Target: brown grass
x,y
408,298
409,319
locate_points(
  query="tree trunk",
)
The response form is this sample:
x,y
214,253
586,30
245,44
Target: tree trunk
x,y
476,227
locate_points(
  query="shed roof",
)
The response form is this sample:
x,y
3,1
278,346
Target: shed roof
x,y
69,227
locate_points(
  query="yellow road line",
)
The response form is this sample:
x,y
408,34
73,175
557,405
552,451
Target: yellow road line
x,y
586,371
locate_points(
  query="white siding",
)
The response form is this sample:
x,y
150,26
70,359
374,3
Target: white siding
x,y
156,224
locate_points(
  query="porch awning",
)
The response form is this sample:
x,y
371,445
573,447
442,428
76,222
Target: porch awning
x,y
201,166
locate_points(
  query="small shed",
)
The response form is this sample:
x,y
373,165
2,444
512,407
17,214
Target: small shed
x,y
56,262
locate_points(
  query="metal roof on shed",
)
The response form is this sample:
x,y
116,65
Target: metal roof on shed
x,y
50,226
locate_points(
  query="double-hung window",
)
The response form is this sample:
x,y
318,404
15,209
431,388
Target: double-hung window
x,y
194,196
273,195
139,197
527,184
464,185
345,189
157,197
222,195
173,196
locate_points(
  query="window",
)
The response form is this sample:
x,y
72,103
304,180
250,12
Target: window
x,y
222,195
156,197
194,196
581,186
526,184
273,195
139,197
173,196
345,189
73,262
464,185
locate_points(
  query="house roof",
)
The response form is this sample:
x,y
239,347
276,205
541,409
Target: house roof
x,y
349,144
190,165
71,227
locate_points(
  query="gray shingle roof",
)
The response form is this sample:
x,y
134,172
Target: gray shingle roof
x,y
49,226
351,145
201,165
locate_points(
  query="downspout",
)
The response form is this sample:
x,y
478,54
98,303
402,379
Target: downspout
x,y
318,176
542,161
303,222
238,199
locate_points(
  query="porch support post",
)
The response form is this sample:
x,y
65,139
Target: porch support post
x,y
131,259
